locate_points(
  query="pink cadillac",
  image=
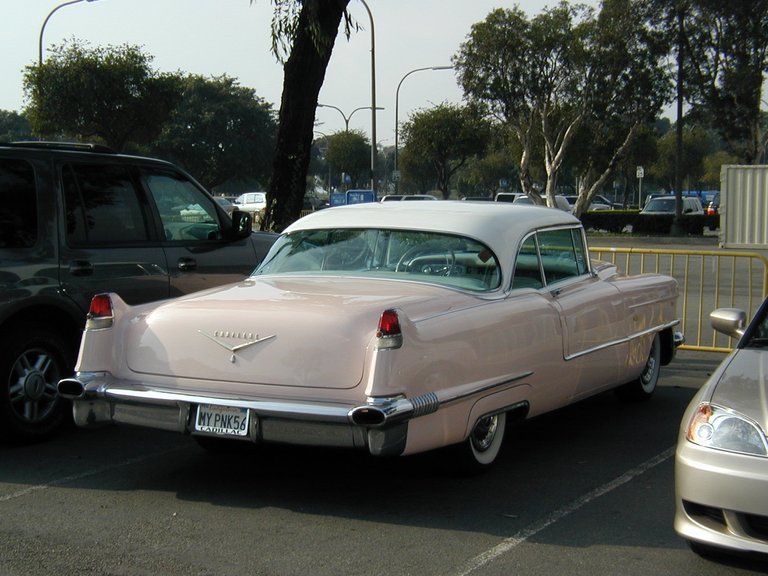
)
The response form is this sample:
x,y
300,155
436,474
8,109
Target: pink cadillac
x,y
395,327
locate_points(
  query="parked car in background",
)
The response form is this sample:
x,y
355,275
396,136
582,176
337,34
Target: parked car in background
x,y
508,196
252,202
225,203
77,220
400,197
721,462
666,205
388,328
713,208
560,201
598,202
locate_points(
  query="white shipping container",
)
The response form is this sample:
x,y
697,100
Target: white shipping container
x,y
744,206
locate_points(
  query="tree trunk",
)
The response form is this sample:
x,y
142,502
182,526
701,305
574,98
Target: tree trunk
x,y
304,72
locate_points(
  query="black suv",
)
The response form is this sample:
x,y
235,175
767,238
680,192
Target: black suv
x,y
76,220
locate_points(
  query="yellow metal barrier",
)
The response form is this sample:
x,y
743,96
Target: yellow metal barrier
x,y
708,279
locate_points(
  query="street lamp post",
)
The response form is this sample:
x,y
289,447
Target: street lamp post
x,y
42,28
346,118
397,106
374,151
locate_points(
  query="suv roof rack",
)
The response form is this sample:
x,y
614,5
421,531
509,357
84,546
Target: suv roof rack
x,y
72,146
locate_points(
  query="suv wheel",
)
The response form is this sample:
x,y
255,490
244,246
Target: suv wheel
x,y
30,368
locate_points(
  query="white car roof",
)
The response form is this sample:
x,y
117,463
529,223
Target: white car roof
x,y
499,225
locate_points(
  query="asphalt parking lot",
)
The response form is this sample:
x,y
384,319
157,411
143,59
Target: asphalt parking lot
x,y
585,490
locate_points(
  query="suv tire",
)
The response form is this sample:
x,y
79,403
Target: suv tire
x,y
30,368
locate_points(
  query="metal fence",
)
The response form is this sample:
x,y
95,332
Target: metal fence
x,y
708,279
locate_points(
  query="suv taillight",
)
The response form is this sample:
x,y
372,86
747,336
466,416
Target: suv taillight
x,y
100,313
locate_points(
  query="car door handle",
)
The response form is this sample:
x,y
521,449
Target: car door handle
x,y
80,268
187,264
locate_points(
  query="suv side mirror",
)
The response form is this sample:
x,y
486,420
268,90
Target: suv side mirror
x,y
242,224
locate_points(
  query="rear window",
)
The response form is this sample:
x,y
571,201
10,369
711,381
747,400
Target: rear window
x,y
430,257
18,204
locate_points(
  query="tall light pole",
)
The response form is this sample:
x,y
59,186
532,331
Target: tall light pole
x,y
397,106
42,28
374,151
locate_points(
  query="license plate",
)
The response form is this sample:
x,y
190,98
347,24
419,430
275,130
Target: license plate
x,y
222,420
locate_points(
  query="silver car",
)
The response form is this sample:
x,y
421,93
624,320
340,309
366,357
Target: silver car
x,y
721,464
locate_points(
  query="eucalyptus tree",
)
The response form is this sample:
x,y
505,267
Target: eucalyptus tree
x,y
564,72
628,86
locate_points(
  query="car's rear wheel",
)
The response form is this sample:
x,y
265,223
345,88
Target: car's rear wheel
x,y
644,386
480,449
31,365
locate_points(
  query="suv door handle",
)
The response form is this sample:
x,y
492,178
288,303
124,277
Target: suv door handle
x,y
187,264
80,268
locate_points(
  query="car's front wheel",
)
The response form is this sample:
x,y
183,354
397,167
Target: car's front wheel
x,y
644,386
31,365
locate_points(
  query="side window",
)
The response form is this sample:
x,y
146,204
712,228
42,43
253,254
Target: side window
x,y
580,251
18,204
527,268
102,205
186,212
563,254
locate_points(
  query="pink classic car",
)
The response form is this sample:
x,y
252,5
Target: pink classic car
x,y
395,327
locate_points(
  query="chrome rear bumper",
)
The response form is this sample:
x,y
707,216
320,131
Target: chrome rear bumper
x,y
379,425
98,398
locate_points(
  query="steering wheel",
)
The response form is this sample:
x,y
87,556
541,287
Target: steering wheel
x,y
404,263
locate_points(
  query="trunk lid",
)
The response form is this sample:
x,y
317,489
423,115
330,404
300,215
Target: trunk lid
x,y
294,331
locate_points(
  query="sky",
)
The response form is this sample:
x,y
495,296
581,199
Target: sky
x,y
233,38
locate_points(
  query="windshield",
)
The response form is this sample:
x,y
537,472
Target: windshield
x,y
391,254
661,205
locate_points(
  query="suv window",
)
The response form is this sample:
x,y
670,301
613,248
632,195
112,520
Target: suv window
x,y
185,212
102,205
18,204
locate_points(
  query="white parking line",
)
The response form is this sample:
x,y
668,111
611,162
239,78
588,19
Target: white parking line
x,y
101,469
509,543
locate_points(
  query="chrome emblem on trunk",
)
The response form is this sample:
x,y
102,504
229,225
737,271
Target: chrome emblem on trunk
x,y
220,337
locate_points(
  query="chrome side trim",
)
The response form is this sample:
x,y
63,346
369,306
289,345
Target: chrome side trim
x,y
378,412
636,335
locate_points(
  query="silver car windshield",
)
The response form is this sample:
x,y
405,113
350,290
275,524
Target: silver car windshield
x,y
390,254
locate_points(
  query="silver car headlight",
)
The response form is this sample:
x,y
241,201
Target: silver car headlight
x,y
717,427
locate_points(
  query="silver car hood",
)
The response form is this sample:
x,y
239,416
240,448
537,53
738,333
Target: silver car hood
x,y
282,331
743,385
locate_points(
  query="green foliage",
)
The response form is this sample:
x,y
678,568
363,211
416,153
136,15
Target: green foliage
x,y
350,153
219,132
109,94
444,137
725,59
14,127
567,76
697,143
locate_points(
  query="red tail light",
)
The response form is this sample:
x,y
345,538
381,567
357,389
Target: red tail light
x,y
388,333
100,314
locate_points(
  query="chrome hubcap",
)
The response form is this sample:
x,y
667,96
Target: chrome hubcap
x,y
32,385
484,432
